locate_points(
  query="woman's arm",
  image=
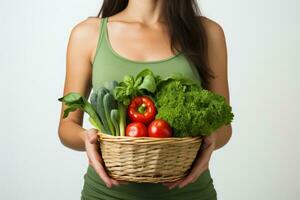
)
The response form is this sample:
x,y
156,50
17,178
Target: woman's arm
x,y
80,53
217,60
81,46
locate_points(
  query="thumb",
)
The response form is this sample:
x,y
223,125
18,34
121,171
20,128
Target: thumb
x,y
92,135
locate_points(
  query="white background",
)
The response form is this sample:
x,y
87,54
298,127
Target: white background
x,y
260,162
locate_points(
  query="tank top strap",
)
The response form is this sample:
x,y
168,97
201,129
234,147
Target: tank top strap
x,y
102,27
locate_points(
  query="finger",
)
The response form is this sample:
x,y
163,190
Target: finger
x,y
92,135
175,184
203,159
118,182
102,173
168,183
114,181
93,138
97,164
200,165
193,176
186,181
92,151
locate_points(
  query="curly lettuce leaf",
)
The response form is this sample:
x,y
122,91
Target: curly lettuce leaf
x,y
191,110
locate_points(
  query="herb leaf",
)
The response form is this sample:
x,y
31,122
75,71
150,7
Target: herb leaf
x,y
148,84
145,81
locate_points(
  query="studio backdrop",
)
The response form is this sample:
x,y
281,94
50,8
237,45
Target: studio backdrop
x,y
261,161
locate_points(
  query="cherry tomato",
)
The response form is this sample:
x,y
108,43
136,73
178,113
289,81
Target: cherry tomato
x,y
159,128
136,129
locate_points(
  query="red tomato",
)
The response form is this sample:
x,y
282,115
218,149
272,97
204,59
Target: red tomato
x,y
159,128
136,129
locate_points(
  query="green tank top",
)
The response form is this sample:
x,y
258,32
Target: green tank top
x,y
109,65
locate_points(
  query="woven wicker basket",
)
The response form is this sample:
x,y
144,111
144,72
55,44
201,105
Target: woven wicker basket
x,y
148,159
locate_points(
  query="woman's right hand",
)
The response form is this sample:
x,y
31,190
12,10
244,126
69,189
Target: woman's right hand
x,y
95,160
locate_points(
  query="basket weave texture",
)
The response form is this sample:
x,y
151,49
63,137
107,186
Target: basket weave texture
x,y
148,159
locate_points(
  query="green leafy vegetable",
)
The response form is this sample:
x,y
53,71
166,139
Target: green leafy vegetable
x,y
144,83
100,92
93,123
189,109
106,114
75,101
115,118
110,85
93,100
109,104
104,102
148,83
178,77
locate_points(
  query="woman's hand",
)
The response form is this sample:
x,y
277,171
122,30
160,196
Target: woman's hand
x,y
93,152
200,165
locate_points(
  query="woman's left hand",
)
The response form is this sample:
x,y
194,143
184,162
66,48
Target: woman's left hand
x,y
201,163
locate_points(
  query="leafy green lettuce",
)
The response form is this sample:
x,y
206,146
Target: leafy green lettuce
x,y
189,109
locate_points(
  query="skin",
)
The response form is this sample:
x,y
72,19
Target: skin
x,y
144,38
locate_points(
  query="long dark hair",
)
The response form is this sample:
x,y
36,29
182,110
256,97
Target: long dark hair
x,y
184,27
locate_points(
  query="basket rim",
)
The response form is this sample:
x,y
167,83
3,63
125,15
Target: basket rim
x,y
103,135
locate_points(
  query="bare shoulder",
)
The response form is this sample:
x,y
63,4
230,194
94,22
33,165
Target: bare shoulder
x,y
84,36
213,29
86,29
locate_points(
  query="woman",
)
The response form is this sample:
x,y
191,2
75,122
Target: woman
x,y
163,35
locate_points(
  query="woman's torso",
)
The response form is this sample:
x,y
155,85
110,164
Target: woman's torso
x,y
109,65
